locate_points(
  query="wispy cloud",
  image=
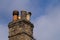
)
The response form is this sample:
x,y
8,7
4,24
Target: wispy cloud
x,y
47,27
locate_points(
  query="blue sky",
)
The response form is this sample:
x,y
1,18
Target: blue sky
x,y
45,17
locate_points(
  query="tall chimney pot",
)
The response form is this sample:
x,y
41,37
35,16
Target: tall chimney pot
x,y
15,15
28,16
23,15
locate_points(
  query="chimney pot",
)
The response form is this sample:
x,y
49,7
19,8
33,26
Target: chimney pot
x,y
23,15
15,15
28,16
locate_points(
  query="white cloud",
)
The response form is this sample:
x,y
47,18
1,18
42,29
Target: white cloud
x,y
47,27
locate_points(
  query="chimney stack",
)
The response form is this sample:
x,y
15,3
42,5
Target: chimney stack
x,y
15,15
28,16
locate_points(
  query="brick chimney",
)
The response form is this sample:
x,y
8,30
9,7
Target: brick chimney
x,y
21,29
15,15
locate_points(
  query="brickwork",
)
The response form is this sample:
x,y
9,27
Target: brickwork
x,y
21,30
